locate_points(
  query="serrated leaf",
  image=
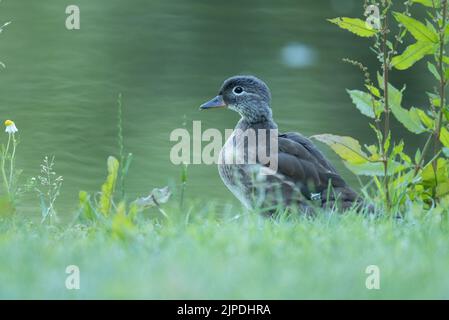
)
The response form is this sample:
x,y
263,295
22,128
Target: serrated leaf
x,y
433,70
394,94
409,118
363,101
412,54
425,119
374,168
366,169
354,25
416,28
347,148
428,3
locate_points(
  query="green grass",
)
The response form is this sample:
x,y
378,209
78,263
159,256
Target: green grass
x,y
214,256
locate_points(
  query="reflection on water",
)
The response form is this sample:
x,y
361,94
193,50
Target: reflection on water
x,y
167,57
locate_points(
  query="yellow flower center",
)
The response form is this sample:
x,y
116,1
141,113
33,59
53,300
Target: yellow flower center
x,y
9,123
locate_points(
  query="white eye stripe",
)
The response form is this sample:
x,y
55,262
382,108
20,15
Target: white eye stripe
x,y
238,90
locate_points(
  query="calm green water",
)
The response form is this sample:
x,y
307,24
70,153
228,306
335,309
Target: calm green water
x,y
167,57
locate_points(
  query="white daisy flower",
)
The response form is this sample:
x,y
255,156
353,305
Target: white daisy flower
x,y
10,127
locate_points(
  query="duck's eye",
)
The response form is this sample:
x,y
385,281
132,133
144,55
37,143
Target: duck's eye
x,y
238,90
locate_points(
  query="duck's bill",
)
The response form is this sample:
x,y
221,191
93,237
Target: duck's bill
x,y
216,102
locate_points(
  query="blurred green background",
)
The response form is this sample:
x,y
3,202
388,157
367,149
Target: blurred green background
x,y
166,58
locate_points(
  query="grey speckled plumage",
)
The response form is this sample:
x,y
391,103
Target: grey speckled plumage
x,y
303,173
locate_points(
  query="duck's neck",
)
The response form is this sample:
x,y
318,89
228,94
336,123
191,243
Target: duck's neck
x,y
262,123
257,117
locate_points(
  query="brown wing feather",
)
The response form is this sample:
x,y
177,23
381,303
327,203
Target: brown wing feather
x,y
314,151
302,163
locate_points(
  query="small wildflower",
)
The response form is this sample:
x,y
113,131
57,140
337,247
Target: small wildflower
x,y
10,127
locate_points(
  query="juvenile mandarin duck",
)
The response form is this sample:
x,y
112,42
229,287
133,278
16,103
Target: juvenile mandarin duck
x,y
302,176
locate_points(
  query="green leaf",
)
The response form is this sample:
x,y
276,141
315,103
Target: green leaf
x,y
430,26
394,94
410,119
412,54
354,25
444,137
417,29
86,210
128,160
363,101
373,150
122,226
428,173
108,188
446,59
374,168
446,74
434,99
417,156
433,70
425,119
446,151
428,3
374,91
366,169
347,148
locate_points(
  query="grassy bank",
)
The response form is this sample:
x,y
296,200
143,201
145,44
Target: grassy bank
x,y
215,256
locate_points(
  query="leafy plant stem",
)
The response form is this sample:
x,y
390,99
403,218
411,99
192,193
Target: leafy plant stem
x,y
419,165
442,88
387,111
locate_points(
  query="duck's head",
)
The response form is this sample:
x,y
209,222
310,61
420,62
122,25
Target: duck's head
x,y
247,95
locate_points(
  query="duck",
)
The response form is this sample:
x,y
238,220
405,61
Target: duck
x,y
302,178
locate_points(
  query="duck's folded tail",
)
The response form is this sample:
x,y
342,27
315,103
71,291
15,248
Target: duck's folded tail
x,y
344,198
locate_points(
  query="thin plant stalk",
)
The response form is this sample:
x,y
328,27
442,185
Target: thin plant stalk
x,y
13,155
442,87
121,145
183,185
5,153
386,132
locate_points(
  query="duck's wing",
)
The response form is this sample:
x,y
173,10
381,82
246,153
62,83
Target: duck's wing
x,y
313,150
300,162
